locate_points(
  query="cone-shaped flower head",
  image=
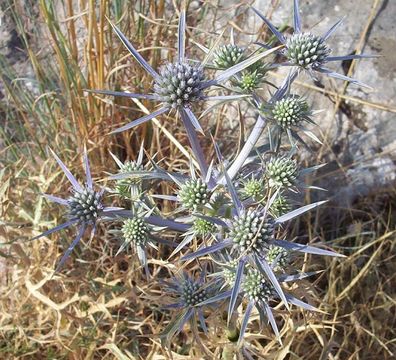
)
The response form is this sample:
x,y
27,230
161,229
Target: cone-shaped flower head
x,y
279,255
306,49
256,287
254,188
193,293
179,84
203,227
228,55
282,172
136,231
249,81
290,111
85,205
229,272
123,186
280,206
252,231
194,193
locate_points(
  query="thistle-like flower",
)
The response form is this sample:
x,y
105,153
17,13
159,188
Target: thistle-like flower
x,y
249,235
278,257
252,231
228,55
202,227
84,206
179,84
281,172
138,233
194,193
254,188
189,295
256,287
290,111
280,206
307,51
130,186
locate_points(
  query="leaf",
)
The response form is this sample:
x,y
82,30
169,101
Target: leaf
x,y
236,288
280,37
305,248
141,120
134,52
292,214
296,17
67,172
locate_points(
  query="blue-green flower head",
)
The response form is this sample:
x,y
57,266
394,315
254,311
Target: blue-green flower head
x,y
290,111
203,227
193,293
85,205
256,287
280,206
254,188
135,230
306,50
281,172
194,193
179,84
228,55
229,272
278,257
251,231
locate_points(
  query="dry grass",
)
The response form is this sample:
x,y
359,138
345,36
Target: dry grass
x,y
103,308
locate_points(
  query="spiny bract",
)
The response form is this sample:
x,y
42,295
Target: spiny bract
x,y
193,293
252,231
179,84
256,287
290,111
228,55
194,193
281,171
85,205
306,49
135,230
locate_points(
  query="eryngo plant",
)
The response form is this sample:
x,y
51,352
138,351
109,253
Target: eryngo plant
x,y
233,210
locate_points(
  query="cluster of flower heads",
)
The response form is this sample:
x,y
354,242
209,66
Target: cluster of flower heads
x,y
235,213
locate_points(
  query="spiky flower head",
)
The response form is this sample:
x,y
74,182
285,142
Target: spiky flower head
x,y
85,205
251,230
135,230
290,111
193,293
281,172
280,206
123,186
203,227
254,188
249,81
179,84
280,255
229,272
306,50
256,287
228,55
194,193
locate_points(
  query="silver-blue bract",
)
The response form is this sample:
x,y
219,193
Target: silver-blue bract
x,y
310,52
85,206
